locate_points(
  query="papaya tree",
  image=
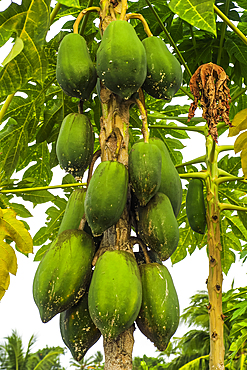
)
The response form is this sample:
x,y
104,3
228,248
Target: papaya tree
x,y
108,88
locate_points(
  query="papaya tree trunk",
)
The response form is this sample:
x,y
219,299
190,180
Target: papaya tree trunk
x,y
114,140
215,279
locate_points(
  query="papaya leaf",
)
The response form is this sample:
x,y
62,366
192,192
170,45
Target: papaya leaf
x,y
20,210
9,148
230,164
235,346
240,309
16,49
236,226
196,12
239,123
241,142
37,197
244,162
41,252
70,3
53,115
237,49
54,218
30,22
11,229
41,170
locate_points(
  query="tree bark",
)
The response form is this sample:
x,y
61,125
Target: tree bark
x,y
215,279
114,141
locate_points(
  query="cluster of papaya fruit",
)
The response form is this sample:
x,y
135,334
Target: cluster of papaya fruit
x,y
123,287
124,63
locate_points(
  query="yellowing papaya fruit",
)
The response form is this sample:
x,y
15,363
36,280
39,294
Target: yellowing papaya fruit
x,y
164,73
145,170
63,273
158,318
195,206
115,293
158,227
77,329
75,70
106,196
74,211
121,59
75,144
170,180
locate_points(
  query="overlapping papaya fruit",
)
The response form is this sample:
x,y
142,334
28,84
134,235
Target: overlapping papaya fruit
x,y
124,287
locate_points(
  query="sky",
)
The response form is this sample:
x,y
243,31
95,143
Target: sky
x,y
18,310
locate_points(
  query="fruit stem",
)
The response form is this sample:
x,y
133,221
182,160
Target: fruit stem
x,y
94,159
5,106
226,206
124,4
25,190
134,240
82,223
144,119
193,161
81,15
142,19
85,19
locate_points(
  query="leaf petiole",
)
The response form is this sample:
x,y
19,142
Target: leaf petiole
x,y
25,190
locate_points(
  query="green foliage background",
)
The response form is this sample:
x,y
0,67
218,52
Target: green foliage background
x,y
31,123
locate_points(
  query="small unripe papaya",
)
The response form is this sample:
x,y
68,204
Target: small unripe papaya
x,y
75,71
63,274
75,144
195,206
158,227
158,318
145,170
77,329
106,196
164,73
121,59
115,293
74,211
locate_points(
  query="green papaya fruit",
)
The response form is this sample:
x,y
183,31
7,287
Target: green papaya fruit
x,y
75,144
77,329
106,196
158,318
115,293
164,73
63,273
145,170
195,206
158,227
74,211
75,71
170,180
121,59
